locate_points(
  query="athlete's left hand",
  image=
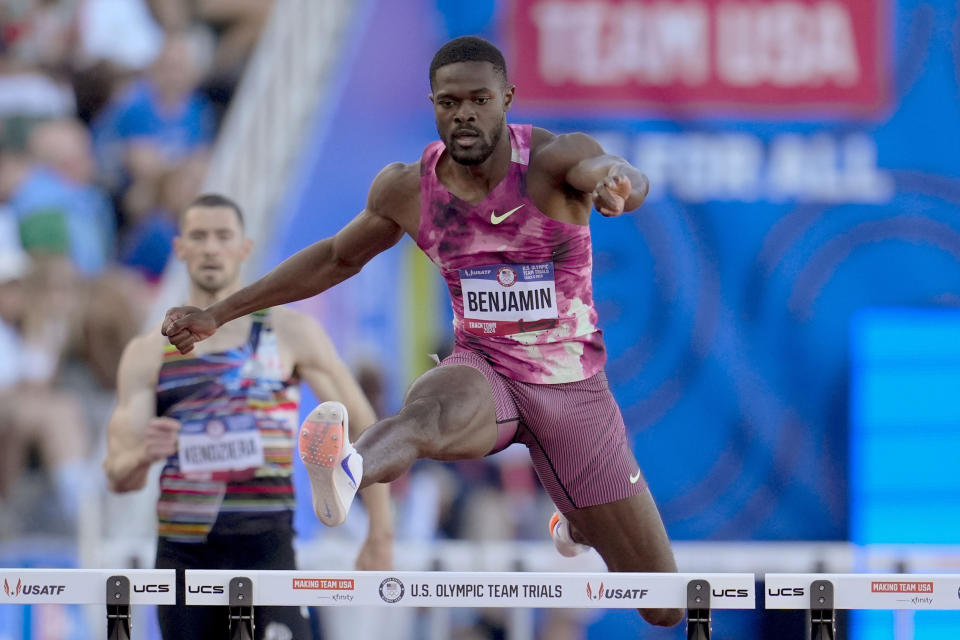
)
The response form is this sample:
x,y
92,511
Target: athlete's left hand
x,y
376,554
611,194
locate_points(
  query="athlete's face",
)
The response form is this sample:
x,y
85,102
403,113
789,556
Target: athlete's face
x,y
212,245
470,101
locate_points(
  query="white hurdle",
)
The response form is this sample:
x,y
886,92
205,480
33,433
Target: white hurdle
x,y
116,590
823,593
695,592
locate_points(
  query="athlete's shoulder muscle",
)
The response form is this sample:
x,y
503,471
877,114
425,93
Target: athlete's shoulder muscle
x,y
140,362
395,186
557,154
306,339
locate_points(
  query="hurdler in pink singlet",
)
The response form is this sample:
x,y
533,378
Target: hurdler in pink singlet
x,y
520,282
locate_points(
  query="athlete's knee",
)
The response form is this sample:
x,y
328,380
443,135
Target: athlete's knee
x,y
662,617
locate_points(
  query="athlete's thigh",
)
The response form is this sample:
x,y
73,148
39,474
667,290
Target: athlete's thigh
x,y
628,534
577,442
475,414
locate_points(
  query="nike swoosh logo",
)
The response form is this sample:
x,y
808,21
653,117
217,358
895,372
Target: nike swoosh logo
x,y
495,219
635,477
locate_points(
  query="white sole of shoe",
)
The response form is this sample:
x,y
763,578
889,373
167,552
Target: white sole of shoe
x,y
323,437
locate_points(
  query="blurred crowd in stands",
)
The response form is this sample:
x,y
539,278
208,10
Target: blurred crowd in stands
x,y
108,110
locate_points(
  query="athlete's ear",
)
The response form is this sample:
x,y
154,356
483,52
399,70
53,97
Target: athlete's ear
x,y
247,247
430,97
508,92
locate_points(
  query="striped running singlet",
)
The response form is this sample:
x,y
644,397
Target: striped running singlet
x,y
241,383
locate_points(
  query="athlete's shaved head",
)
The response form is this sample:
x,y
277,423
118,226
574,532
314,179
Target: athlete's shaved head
x,y
468,49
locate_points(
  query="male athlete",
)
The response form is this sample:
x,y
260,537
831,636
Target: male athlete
x,y
223,419
503,211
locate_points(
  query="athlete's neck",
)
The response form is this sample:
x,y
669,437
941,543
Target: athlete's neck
x,y
488,173
202,298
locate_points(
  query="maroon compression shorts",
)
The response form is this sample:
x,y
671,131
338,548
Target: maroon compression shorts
x,y
573,430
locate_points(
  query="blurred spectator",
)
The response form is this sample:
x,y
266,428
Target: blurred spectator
x,y
235,26
148,240
38,32
33,416
155,124
52,194
116,40
119,33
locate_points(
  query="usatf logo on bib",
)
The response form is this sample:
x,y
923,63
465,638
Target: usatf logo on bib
x,y
505,299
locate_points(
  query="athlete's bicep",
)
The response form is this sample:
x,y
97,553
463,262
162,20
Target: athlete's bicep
x,y
364,237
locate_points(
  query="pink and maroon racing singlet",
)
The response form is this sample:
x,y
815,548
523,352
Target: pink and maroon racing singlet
x,y
519,281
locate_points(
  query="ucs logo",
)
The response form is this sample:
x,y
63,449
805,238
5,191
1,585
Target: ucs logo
x,y
12,591
730,593
785,591
205,588
151,588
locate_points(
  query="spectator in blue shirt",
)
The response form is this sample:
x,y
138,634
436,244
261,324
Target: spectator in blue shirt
x,y
156,123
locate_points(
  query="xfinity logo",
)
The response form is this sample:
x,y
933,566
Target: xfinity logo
x,y
785,591
205,588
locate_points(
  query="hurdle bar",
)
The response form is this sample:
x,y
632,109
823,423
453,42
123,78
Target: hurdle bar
x,y
116,590
823,593
483,589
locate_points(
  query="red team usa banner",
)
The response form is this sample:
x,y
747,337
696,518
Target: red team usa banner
x,y
690,54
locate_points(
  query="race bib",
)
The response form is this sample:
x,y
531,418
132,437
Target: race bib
x,y
504,299
226,443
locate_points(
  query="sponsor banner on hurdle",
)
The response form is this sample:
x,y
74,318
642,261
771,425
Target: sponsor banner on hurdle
x,y
84,586
865,590
463,589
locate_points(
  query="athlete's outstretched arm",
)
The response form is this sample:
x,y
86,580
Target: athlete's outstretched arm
x,y
614,184
305,274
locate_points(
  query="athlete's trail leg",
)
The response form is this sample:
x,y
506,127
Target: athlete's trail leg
x,y
629,536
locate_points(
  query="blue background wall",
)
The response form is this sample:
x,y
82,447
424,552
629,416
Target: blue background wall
x,y
726,309
728,304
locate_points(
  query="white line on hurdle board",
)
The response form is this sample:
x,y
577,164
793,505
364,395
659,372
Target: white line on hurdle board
x,y
865,590
472,589
84,586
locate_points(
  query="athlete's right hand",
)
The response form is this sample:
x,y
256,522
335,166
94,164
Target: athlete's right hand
x,y
161,438
185,326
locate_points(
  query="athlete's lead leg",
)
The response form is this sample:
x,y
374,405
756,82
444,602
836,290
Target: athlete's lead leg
x,y
449,414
